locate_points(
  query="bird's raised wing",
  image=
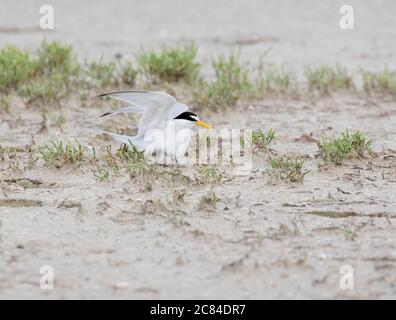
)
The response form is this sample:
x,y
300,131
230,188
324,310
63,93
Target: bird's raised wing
x,y
156,106
177,109
131,109
141,98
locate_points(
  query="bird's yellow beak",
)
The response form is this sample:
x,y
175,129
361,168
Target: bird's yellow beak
x,y
203,124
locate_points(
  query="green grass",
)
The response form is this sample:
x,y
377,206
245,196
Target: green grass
x,y
102,74
208,174
383,81
7,153
110,159
348,145
230,84
57,119
38,80
129,153
326,79
171,64
272,80
261,140
208,202
288,169
135,160
56,58
110,74
178,195
128,74
54,73
101,174
5,103
58,154
15,67
44,91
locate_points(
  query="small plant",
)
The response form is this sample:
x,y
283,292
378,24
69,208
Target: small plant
x,y
10,157
230,84
129,74
178,195
57,119
361,145
170,64
326,79
384,81
349,234
208,202
129,153
5,103
110,159
103,74
101,174
7,153
135,160
272,80
57,154
56,58
44,91
338,149
261,140
32,155
208,174
288,169
15,67
140,168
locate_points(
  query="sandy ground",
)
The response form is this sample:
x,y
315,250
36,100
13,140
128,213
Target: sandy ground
x,y
264,240
104,240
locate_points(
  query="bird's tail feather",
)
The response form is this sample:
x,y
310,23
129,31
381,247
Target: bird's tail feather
x,y
137,142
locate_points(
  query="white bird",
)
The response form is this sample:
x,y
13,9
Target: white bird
x,y
165,124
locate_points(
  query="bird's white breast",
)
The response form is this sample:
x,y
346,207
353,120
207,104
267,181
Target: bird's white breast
x,y
170,141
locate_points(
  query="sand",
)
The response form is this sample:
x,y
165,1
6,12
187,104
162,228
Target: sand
x,y
264,239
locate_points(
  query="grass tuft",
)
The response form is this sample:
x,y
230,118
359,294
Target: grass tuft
x,y
208,174
178,195
384,81
129,74
102,74
230,84
288,169
5,103
261,140
326,79
7,153
58,154
56,58
101,174
272,80
170,64
338,149
208,202
57,119
15,67
136,162
44,91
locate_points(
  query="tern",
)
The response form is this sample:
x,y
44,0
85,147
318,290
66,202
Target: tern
x,y
165,125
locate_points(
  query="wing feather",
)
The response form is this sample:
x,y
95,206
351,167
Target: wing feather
x,y
132,109
157,107
147,99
